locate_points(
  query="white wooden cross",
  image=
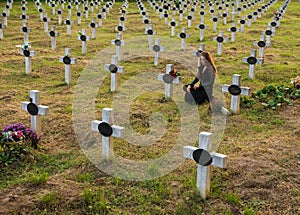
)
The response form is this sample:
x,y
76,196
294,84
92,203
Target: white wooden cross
x,y
149,31
118,42
53,8
224,15
53,34
68,22
59,16
268,33
86,11
40,9
46,20
261,44
235,90
233,14
252,61
255,16
202,13
169,80
189,18
166,15
204,158
36,110
1,31
183,36
67,60
108,130
25,30
24,50
198,52
233,31
93,25
156,48
215,20
181,15
173,24
99,16
24,17
4,15
220,39
113,68
78,14
120,28
202,26
83,39
249,21
69,9
242,23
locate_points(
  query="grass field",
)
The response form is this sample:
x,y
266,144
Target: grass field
x,y
262,145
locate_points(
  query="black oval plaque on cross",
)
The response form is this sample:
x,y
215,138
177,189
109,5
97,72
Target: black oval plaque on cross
x,y
146,21
67,60
143,13
32,108
249,16
202,13
122,18
45,19
220,39
251,60
224,15
273,24
99,16
59,12
212,11
69,7
150,32
202,157
120,28
78,14
242,22
103,10
233,29
234,90
261,44
268,32
23,8
255,13
173,23
189,17
117,42
113,68
24,29
68,22
201,26
156,48
168,79
215,19
182,35
166,15
105,129
26,53
41,10
82,37
93,25
52,33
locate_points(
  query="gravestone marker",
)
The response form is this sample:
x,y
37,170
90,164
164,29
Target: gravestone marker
x,y
198,52
93,25
108,130
261,44
46,20
25,51
183,35
69,22
156,48
235,90
150,32
233,31
173,24
220,39
83,37
113,68
118,43
169,78
36,110
202,26
204,158
252,61
25,30
53,34
59,16
68,61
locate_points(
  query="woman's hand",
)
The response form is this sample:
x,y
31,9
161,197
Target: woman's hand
x,y
196,87
189,88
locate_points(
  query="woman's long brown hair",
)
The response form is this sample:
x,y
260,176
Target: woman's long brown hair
x,y
208,56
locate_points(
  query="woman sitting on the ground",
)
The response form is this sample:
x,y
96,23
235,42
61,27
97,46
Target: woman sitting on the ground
x,y
206,74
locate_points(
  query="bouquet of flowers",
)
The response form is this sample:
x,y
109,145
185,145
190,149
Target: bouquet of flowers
x,y
174,74
15,143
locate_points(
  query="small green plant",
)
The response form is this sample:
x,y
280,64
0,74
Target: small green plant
x,y
94,202
273,96
37,179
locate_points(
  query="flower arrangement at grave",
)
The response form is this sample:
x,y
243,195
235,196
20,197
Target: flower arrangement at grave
x,y
174,74
16,140
79,33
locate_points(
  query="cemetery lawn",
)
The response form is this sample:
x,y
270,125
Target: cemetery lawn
x,y
262,145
